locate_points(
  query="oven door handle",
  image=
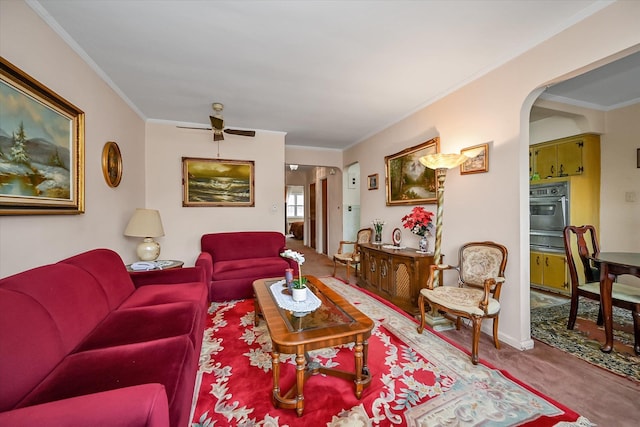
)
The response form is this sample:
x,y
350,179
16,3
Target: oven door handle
x,y
546,201
563,200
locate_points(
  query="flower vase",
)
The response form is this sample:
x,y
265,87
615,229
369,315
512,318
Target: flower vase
x,y
377,238
424,244
299,294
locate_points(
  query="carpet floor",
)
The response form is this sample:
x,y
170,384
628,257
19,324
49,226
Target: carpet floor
x,y
418,379
549,325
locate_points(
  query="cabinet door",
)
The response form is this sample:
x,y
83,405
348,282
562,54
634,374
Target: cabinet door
x,y
531,163
405,280
385,275
555,272
546,161
536,264
570,158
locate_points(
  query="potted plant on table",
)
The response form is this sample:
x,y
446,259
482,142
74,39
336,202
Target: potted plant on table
x,y
298,286
419,221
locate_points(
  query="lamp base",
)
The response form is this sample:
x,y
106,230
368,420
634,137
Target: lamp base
x,y
148,250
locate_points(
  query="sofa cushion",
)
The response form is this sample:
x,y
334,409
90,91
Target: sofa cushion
x,y
108,270
140,324
30,346
238,269
242,245
162,294
142,405
169,361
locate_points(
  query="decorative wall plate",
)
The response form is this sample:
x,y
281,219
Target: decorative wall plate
x,y
396,236
112,164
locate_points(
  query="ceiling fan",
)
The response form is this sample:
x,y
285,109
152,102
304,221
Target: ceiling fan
x,y
217,125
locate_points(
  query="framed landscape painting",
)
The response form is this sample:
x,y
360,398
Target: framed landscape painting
x,y
217,182
41,148
409,182
478,159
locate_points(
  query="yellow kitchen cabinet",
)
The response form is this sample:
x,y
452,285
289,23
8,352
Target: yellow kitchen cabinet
x,y
558,159
549,271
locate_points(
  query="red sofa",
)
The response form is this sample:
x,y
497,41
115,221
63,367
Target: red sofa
x,y
233,261
83,342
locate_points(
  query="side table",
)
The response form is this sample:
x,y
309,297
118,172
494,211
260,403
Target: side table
x,y
157,265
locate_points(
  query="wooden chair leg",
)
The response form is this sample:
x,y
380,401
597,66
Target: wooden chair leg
x,y
496,342
475,339
636,330
573,311
348,271
335,264
422,314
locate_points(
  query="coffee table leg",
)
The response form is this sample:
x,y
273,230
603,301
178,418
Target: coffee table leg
x,y
360,367
275,367
365,351
300,373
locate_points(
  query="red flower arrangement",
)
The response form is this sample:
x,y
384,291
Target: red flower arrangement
x,y
418,221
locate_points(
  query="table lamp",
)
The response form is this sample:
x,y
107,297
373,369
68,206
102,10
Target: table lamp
x,y
146,223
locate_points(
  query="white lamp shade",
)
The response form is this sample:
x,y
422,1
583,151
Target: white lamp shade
x,y
443,161
145,223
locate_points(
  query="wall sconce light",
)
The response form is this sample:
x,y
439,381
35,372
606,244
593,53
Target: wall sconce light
x,y
146,223
293,167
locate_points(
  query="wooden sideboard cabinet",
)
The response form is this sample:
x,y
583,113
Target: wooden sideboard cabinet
x,y
396,275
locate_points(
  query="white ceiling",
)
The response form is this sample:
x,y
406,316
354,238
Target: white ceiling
x,y
329,73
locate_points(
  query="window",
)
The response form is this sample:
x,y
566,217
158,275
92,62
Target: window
x,y
295,205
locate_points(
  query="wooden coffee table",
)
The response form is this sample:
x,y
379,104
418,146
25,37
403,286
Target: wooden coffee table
x,y
336,322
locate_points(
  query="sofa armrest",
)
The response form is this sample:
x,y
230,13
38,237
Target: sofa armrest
x,y
205,261
168,277
142,405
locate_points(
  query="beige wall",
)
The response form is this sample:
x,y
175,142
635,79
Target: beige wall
x,y
166,145
620,219
495,108
28,241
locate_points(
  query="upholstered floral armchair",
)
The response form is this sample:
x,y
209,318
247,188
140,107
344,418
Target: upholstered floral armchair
x,y
351,258
480,277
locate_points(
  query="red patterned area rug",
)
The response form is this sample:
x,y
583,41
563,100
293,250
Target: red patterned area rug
x,y
418,380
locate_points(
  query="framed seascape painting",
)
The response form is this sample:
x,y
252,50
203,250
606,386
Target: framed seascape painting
x,y
41,148
217,182
409,182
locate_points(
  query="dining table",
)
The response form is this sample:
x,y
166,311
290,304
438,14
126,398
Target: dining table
x,y
613,264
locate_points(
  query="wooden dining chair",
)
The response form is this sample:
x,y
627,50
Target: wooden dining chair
x,y
587,247
480,271
351,258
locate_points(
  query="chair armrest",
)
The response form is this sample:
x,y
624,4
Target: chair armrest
x,y
343,243
168,277
143,405
205,261
434,268
488,285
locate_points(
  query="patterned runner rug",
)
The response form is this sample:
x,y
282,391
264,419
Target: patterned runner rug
x,y
418,379
549,325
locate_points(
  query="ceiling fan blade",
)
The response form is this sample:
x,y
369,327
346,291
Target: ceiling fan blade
x,y
217,122
192,127
241,132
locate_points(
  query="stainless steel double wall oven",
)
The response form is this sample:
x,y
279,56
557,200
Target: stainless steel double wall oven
x,y
548,215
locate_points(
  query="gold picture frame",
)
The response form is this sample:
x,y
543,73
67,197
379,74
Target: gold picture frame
x,y
41,148
409,182
112,164
372,181
479,162
217,182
